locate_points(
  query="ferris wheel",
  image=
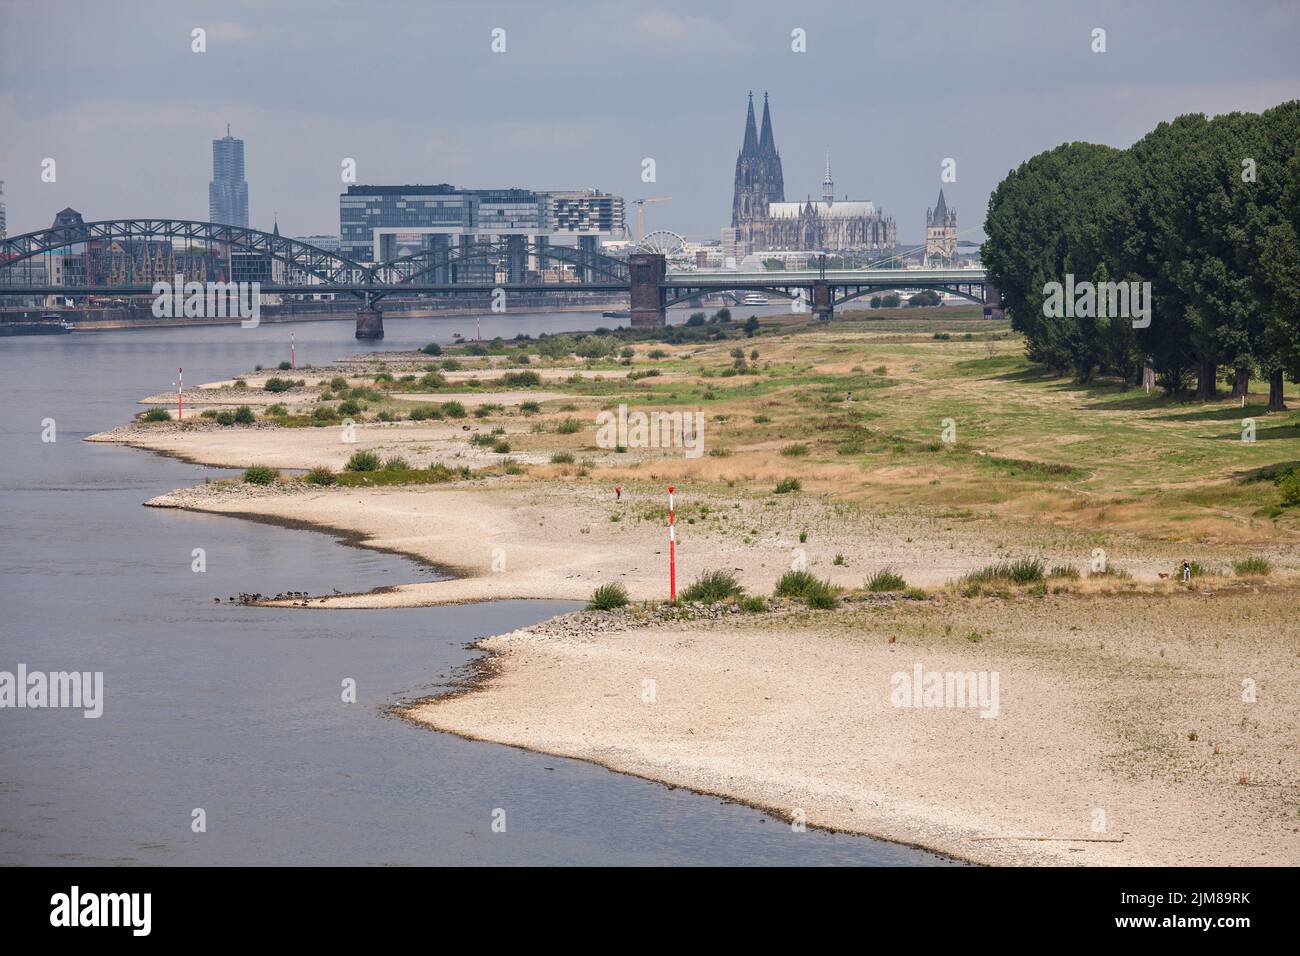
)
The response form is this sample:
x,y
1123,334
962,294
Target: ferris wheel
x,y
667,244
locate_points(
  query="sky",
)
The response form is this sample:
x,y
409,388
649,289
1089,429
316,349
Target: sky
x,y
585,91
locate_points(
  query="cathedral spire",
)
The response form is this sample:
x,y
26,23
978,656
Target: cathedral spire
x,y
766,141
828,184
751,134
940,209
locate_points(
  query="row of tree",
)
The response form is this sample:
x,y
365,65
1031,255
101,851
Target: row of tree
x,y
1205,210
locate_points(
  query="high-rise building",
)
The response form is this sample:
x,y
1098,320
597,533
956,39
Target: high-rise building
x,y
763,220
940,233
228,191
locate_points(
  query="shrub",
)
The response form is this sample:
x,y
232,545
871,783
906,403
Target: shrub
x,y
156,415
208,413
787,485
794,584
450,365
350,407
433,348
795,451
1064,571
567,427
225,417
656,354
607,597
284,366
1020,571
562,458
241,383
520,379
420,412
321,476
279,408
244,415
396,463
501,448
323,413
453,409
362,461
277,384
530,408
432,380
885,580
339,384
713,587
1289,485
1252,566
753,605
820,596
260,475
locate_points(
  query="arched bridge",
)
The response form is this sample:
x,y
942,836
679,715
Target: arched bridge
x,y
126,257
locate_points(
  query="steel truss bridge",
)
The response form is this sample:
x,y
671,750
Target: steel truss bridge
x,y
125,257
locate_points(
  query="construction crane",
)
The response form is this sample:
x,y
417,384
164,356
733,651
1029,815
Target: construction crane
x,y
640,213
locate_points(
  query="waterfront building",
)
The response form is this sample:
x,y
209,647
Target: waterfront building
x,y
763,220
228,191
381,223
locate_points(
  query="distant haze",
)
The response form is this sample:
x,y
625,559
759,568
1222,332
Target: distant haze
x,y
585,91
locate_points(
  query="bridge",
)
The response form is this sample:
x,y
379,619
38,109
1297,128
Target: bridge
x,y
126,257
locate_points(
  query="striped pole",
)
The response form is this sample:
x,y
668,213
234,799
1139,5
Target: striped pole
x,y
672,548
478,329
180,394
293,349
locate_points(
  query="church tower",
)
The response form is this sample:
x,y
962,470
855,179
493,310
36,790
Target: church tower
x,y
759,180
940,234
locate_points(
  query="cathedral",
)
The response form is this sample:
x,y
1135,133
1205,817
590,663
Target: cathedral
x,y
940,234
762,220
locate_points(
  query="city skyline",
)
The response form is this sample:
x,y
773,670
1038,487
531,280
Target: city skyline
x,y
666,89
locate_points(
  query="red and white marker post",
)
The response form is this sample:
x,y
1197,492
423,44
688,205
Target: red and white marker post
x,y
293,349
672,548
180,394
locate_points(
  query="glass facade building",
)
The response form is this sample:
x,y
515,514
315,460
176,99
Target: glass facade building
x,y
228,191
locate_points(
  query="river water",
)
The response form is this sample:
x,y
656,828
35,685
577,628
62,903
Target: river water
x,y
237,711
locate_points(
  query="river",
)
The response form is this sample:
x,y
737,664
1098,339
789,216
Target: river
x,y
237,712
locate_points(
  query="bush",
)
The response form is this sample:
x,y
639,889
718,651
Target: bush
x,y
453,409
787,485
607,597
362,461
501,448
156,415
420,412
821,596
323,413
244,415
350,407
753,605
530,408
321,476
338,383
433,348
260,475
279,408
432,380
562,458
277,384
1064,571
520,379
567,427
1252,566
396,463
225,417
713,587
656,354
1020,571
240,383
284,366
794,584
795,451
1289,485
886,580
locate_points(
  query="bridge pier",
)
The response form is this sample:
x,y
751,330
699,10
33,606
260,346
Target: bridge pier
x,y
646,275
823,310
992,302
370,321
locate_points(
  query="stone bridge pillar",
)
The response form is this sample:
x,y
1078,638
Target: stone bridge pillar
x,y
370,321
821,301
647,294
992,302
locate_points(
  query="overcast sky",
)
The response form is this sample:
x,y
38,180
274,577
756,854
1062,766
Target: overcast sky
x,y
586,90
